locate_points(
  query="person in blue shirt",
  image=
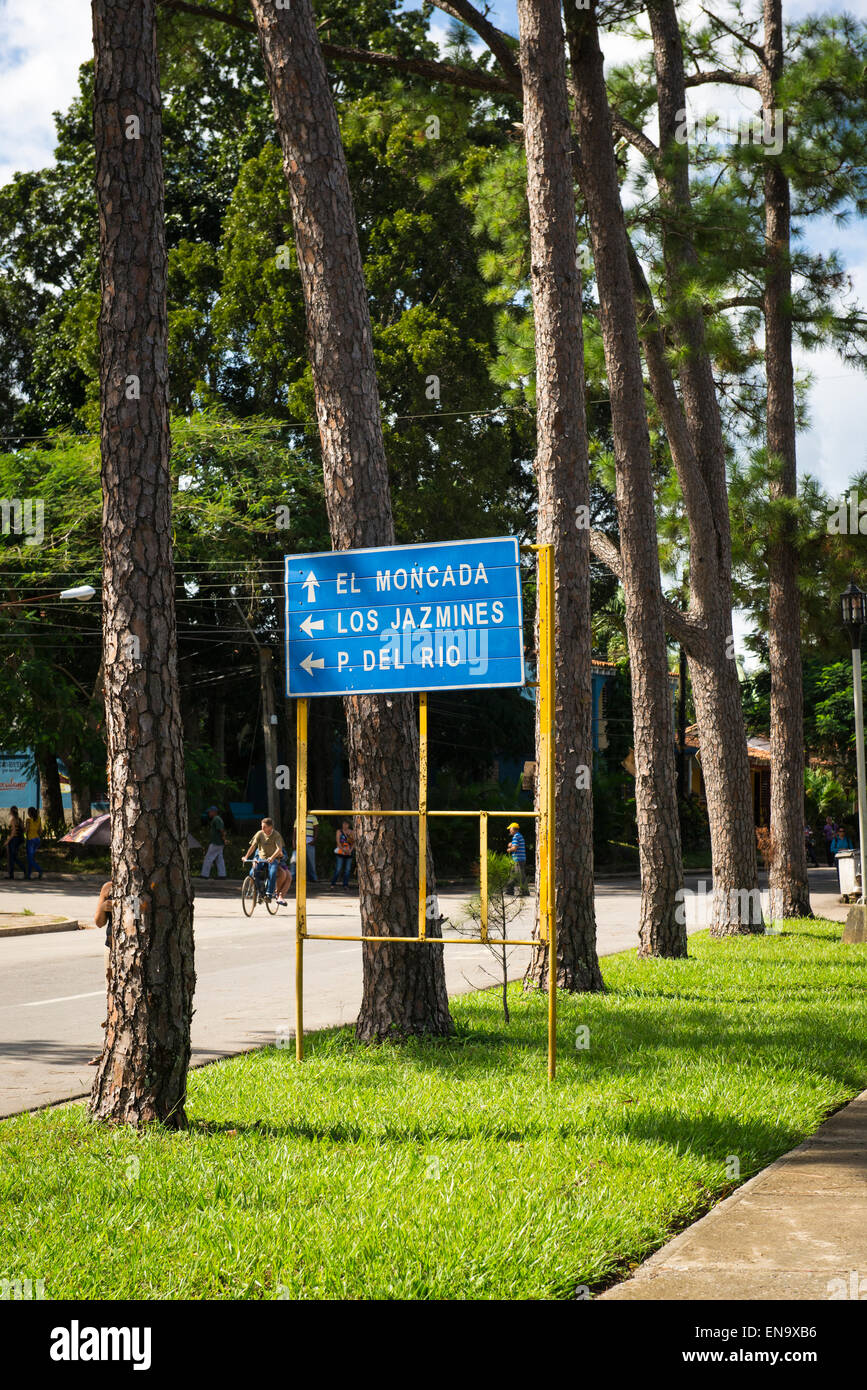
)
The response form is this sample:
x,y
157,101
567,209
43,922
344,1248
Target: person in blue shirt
x,y
841,840
517,850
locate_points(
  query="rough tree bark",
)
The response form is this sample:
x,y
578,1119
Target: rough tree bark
x,y
142,1076
790,886
662,925
563,481
706,630
49,788
82,791
269,730
218,733
80,797
715,684
404,985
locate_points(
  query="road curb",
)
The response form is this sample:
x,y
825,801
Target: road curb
x,y
65,924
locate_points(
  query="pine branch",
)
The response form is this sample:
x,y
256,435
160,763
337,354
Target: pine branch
x,y
723,77
703,537
604,549
741,38
452,73
209,12
635,136
497,41
683,627
737,301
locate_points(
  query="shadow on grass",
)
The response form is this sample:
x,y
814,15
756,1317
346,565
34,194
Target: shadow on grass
x,y
829,938
632,1046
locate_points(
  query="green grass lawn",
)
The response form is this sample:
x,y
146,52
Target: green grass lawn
x,y
452,1170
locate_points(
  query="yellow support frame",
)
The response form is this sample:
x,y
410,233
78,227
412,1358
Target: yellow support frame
x,y
547,720
544,814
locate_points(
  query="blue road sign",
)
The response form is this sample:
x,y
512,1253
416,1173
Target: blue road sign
x,y
445,616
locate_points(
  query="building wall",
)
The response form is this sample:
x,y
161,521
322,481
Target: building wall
x,y
19,788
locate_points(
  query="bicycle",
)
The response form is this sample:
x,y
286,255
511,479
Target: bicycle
x,y
253,889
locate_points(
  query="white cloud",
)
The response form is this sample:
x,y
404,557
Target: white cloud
x,y
41,49
835,445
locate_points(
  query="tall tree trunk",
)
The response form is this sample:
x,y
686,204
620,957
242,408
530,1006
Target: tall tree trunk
x,y
790,887
695,434
715,684
82,792
190,720
319,745
49,789
681,725
143,1073
80,796
286,734
218,732
563,481
661,930
269,731
404,985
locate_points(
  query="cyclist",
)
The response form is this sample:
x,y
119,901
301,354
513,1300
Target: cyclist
x,y
268,844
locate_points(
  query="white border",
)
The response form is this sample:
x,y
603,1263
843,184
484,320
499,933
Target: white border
x,y
405,689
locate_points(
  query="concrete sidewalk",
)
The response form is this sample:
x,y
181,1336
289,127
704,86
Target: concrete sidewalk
x,y
34,924
797,1230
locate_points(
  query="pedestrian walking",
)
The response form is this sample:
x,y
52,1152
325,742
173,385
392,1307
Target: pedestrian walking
x,y
14,840
841,841
343,850
808,841
33,836
517,851
829,830
214,851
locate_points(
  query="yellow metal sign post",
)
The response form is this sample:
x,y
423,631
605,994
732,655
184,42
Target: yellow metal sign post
x,y
547,719
544,814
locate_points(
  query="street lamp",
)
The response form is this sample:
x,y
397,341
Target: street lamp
x,y
853,605
82,592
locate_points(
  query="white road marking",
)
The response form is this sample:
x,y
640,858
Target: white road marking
x,y
64,999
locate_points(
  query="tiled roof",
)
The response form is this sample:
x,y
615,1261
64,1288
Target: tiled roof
x,y
758,745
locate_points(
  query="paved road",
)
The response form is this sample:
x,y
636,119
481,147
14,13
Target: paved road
x,y
52,996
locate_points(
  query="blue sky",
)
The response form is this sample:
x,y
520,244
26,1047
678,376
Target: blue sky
x,y
41,46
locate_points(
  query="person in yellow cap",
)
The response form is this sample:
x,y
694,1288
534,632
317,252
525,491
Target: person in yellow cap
x,y
517,851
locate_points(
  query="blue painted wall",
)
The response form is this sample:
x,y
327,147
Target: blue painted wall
x,y
20,787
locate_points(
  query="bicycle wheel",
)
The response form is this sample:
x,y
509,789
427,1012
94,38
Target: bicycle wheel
x,y
271,904
248,896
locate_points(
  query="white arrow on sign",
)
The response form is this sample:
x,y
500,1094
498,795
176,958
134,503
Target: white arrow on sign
x,y
308,663
311,584
310,623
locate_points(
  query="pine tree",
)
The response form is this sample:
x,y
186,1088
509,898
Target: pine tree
x,y
143,1073
404,985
